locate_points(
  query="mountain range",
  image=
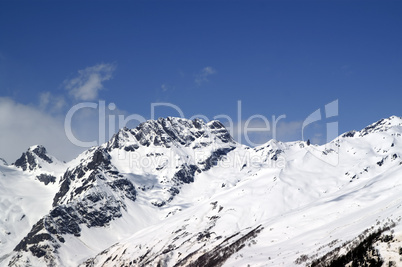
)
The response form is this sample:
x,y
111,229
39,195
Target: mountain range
x,y
178,192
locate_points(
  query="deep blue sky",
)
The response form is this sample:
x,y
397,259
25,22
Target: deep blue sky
x,y
277,57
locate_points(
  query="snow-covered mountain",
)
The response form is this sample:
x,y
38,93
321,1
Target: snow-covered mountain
x,y
175,192
26,190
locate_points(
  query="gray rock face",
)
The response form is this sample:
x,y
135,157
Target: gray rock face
x,y
167,132
29,159
81,200
46,178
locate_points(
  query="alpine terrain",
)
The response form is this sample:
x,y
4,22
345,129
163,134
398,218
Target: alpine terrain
x,y
176,192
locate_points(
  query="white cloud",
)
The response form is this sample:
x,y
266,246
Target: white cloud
x,y
167,87
22,126
317,139
44,99
164,87
203,75
89,81
289,131
51,103
284,131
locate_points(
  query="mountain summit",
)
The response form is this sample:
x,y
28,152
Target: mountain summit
x,y
31,159
168,132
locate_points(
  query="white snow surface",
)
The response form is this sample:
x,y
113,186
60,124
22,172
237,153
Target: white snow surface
x,y
303,199
24,200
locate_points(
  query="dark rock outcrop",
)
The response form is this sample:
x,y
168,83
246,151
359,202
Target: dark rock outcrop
x,y
46,178
29,159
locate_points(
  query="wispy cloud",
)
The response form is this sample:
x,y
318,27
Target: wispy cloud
x,y
164,87
203,75
49,102
289,130
43,122
317,139
22,126
257,132
89,81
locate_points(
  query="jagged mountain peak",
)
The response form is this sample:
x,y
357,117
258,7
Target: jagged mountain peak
x,y
41,152
39,163
33,158
273,148
170,131
382,125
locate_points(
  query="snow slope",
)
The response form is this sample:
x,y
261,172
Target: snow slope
x,y
281,215
24,198
175,192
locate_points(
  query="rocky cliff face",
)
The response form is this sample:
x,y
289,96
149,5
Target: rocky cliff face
x,y
168,132
91,194
37,161
33,158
